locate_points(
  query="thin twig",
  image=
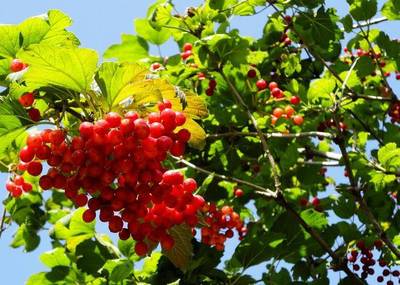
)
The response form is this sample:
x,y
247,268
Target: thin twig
x,y
271,135
265,191
267,151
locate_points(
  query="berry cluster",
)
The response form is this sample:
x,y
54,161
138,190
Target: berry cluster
x,y
394,112
114,166
362,258
375,56
17,185
220,225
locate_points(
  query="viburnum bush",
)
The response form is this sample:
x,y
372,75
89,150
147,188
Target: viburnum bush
x,y
281,152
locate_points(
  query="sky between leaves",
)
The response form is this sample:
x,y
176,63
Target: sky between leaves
x,y
98,24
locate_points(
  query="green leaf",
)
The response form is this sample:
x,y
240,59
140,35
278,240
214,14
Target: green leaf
x,y
314,219
347,22
181,253
149,267
362,10
132,48
364,66
391,10
146,31
321,89
70,68
389,156
118,269
78,226
244,9
55,257
291,64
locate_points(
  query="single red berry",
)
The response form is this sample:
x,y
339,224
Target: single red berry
x,y
378,243
185,55
81,200
295,100
239,193
46,182
89,215
141,248
209,92
35,168
180,118
252,73
298,120
26,154
17,65
26,100
114,119
183,135
167,242
261,84
124,234
187,47
34,114
189,185
277,93
315,202
172,177
303,201
277,112
272,85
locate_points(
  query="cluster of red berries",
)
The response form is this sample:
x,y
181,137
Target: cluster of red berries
x,y
286,40
17,185
212,83
394,112
114,166
362,258
221,224
331,124
286,113
187,51
376,57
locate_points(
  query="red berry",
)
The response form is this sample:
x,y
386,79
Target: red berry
x,y
124,234
88,215
185,55
315,202
81,200
17,65
187,47
167,242
303,201
189,185
277,112
272,85
277,93
35,168
209,91
46,182
172,177
115,224
114,119
239,193
86,129
183,135
180,118
34,114
261,84
26,154
141,248
252,73
26,100
295,100
155,66
378,243
298,120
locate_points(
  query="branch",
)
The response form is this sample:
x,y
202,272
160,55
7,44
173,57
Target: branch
x,y
369,23
311,152
265,146
3,217
369,97
272,135
340,263
260,190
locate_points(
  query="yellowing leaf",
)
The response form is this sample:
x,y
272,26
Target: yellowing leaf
x,y
198,135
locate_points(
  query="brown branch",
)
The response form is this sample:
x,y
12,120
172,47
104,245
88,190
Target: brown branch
x,y
274,167
260,190
272,135
3,217
339,262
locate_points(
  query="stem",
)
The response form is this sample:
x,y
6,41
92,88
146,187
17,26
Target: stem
x,y
272,135
3,216
340,262
261,190
265,146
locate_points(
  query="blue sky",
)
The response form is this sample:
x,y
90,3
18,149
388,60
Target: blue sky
x,y
99,24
